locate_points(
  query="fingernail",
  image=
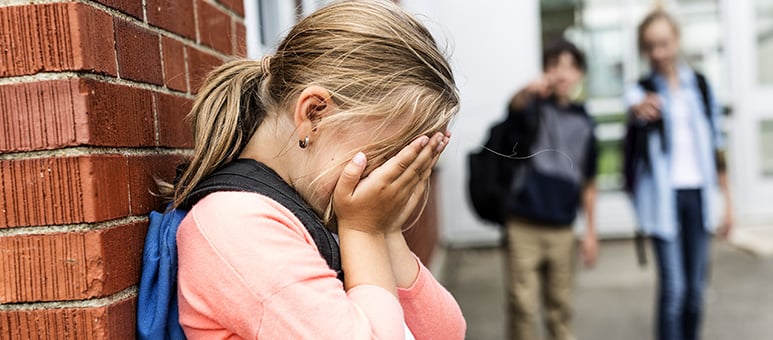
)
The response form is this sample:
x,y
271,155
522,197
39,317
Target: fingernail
x,y
424,141
440,146
359,159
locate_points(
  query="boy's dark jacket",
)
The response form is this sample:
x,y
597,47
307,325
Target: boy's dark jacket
x,y
543,198
490,173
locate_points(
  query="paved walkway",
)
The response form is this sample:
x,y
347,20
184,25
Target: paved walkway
x,y
616,299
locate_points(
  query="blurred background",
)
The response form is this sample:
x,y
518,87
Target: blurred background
x,y
495,49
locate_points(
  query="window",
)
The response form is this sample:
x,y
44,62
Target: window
x,y
267,22
766,147
764,10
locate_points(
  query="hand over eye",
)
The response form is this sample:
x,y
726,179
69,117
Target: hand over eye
x,y
385,199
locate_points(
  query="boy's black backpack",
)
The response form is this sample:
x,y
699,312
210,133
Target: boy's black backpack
x,y
490,170
157,312
635,142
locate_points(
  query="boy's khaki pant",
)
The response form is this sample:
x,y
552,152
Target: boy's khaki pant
x,y
540,261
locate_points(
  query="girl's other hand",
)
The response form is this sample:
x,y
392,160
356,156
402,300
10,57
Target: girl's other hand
x,y
383,201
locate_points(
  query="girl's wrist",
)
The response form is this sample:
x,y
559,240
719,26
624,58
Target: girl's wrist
x,y
405,266
372,232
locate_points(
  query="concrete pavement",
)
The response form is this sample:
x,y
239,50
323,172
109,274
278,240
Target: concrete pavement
x,y
615,300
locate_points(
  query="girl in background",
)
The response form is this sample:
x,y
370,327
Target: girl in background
x,y
677,174
350,112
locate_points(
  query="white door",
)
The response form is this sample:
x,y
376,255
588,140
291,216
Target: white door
x,y
749,36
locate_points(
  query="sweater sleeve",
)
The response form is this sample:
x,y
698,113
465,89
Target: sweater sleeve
x,y
248,269
431,312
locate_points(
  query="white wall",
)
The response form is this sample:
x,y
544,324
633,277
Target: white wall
x,y
495,49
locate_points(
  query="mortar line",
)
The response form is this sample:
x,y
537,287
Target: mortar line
x,y
145,11
118,14
92,150
232,13
44,76
90,303
70,228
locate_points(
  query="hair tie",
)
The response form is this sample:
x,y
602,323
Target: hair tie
x,y
265,64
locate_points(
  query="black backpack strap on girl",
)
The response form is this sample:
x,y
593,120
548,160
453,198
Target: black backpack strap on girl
x,y
251,176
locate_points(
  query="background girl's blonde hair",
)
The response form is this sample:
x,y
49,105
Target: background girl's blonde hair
x,y
659,13
379,64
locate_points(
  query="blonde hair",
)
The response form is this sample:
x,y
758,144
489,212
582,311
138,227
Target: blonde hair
x,y
379,64
659,13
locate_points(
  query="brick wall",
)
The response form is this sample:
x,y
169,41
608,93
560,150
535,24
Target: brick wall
x,y
92,96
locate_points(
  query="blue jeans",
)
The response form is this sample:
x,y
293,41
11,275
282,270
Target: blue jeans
x,y
682,266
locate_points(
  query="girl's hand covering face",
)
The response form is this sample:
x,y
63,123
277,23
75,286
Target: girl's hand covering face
x,y
384,200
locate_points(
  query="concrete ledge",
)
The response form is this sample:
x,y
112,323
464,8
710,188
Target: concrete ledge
x,y
755,240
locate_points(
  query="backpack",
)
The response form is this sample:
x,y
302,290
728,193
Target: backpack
x,y
157,308
635,141
490,174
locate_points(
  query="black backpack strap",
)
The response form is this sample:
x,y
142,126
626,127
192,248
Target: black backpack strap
x,y
703,87
252,176
647,84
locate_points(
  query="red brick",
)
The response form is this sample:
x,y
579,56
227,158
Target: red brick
x,y
199,65
143,173
93,38
240,43
55,37
121,250
106,194
214,27
118,115
173,15
139,53
235,5
63,190
41,115
58,113
70,266
175,76
130,7
114,321
173,128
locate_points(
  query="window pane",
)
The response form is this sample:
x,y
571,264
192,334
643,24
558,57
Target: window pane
x,y
766,147
764,12
605,62
269,22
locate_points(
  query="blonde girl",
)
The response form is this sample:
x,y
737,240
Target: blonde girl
x,y
677,112
351,112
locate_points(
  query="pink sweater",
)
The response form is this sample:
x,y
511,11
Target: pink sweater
x,y
248,269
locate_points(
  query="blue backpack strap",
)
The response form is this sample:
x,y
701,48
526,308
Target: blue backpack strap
x,y
157,313
157,307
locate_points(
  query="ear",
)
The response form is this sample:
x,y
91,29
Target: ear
x,y
313,103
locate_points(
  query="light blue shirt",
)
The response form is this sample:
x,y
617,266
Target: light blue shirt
x,y
654,197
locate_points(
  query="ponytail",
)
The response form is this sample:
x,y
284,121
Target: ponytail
x,y
227,111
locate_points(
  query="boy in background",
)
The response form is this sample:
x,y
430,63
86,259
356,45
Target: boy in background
x,y
555,136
